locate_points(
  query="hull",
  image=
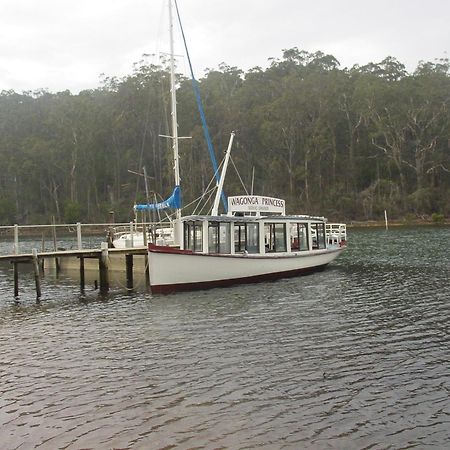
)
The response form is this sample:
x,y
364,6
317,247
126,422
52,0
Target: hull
x,y
177,270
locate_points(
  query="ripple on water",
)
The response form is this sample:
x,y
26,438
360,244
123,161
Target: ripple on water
x,y
352,357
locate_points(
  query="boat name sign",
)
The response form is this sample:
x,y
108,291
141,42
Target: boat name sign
x,y
256,203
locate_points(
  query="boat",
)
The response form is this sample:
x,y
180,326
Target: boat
x,y
122,237
138,236
217,251
254,241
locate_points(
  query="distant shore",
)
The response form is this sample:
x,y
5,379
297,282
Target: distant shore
x,y
395,223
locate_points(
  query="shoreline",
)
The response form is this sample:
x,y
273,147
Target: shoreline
x,y
396,223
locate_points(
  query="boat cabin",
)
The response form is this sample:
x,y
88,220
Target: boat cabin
x,y
257,225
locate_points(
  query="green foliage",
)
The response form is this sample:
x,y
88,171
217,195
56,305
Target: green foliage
x,y
437,218
72,212
7,211
349,142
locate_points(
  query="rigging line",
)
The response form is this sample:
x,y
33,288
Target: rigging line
x,y
198,199
206,191
200,207
201,111
238,174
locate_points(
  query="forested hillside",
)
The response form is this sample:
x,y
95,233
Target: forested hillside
x,y
345,143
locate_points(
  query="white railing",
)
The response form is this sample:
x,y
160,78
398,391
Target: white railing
x,y
336,233
17,239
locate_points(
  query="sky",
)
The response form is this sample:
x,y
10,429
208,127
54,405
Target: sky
x,y
68,44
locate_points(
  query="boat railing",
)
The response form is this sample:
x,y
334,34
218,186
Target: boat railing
x,y
336,233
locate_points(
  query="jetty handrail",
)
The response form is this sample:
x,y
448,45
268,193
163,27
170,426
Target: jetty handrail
x,y
74,225
72,229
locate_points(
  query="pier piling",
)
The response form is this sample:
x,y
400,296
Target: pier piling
x,y
107,260
16,279
37,273
129,270
103,268
82,281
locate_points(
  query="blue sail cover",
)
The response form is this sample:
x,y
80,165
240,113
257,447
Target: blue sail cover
x,y
173,202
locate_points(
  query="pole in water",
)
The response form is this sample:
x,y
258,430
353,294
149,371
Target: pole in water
x,y
82,280
129,270
103,268
37,275
16,279
386,219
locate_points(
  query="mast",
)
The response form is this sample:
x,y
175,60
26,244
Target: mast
x,y
215,208
173,96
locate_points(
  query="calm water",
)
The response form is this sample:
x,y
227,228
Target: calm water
x,y
355,357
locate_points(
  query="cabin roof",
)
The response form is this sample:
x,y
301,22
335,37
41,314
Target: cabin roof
x,y
278,218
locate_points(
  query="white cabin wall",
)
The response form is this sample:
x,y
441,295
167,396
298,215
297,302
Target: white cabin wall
x,y
178,233
309,237
205,236
232,237
262,242
288,237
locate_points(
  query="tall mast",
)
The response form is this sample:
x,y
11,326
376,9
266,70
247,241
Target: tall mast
x,y
215,208
174,136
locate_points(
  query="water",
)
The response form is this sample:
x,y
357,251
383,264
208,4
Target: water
x,y
355,357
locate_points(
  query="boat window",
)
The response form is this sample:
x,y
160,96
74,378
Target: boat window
x,y
193,236
299,237
318,235
253,238
219,237
246,237
275,237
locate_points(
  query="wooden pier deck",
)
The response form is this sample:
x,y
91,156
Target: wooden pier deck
x,y
123,261
84,253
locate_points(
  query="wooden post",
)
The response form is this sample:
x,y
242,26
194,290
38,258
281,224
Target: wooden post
x,y
82,281
42,250
129,270
55,247
146,270
54,233
131,234
16,239
103,268
79,240
16,279
37,274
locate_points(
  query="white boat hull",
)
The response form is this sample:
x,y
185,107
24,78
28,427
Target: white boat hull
x,y
177,270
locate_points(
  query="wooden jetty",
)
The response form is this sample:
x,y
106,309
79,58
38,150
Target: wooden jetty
x,y
104,258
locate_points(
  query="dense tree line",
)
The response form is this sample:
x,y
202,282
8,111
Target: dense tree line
x,y
346,143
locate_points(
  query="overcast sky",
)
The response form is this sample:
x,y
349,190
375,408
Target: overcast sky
x,y
68,44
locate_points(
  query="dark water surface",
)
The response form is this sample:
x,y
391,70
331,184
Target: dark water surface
x,y
355,357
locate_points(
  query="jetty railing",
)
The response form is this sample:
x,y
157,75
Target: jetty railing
x,y
25,244
17,239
